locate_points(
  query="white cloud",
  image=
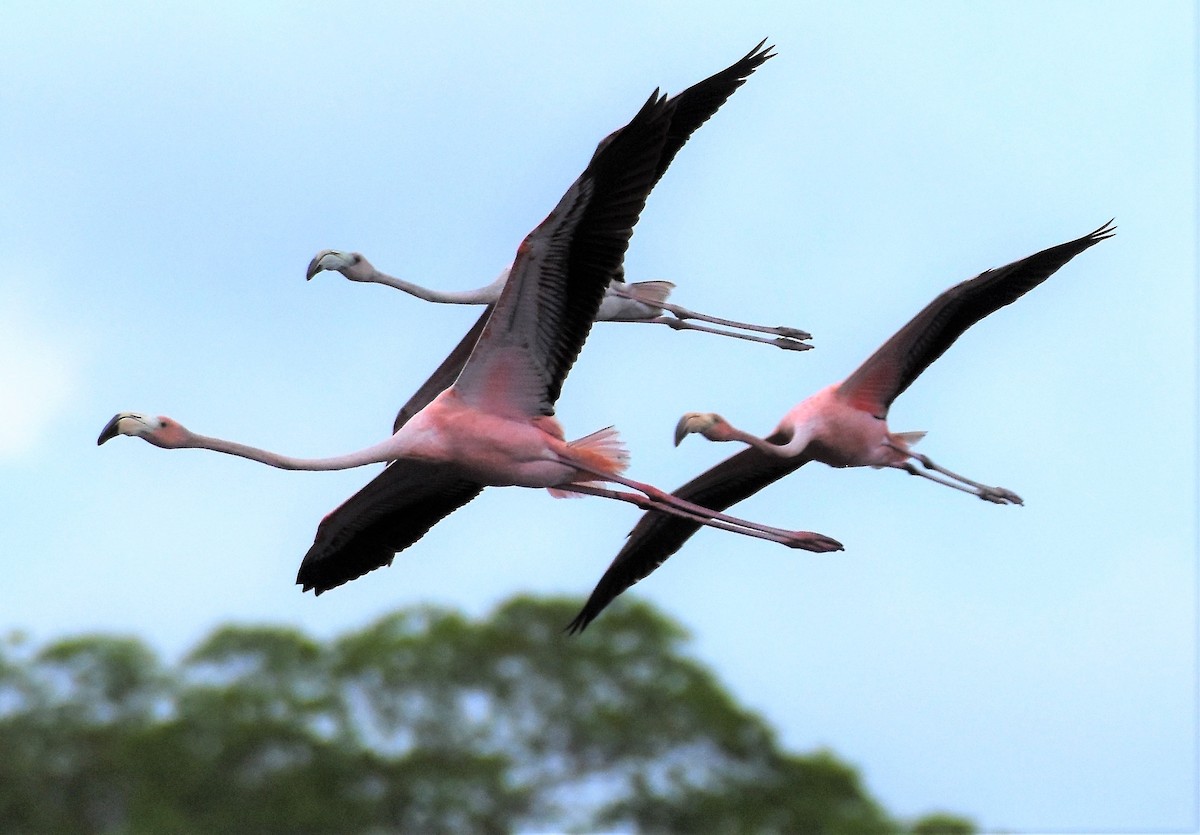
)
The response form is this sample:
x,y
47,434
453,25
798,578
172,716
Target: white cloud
x,y
37,375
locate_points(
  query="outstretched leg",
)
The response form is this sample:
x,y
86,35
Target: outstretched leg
x,y
684,313
787,336
998,495
806,540
663,502
788,343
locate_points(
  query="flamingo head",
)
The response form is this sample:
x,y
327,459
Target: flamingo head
x,y
350,264
160,431
709,424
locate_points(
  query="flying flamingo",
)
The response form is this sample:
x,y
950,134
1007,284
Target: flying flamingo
x,y
843,425
495,425
644,301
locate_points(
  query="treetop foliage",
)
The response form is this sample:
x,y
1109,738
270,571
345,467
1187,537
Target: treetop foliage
x,y
424,720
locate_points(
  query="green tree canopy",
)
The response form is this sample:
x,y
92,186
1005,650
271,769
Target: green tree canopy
x,y
423,721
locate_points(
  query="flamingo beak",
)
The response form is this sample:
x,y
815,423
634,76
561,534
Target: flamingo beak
x,y
110,430
314,266
693,422
331,259
120,425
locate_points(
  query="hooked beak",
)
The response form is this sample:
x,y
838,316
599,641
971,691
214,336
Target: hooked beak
x,y
328,259
120,424
681,430
693,422
314,266
110,430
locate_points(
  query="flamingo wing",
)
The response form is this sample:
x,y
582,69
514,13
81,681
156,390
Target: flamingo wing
x,y
562,268
691,109
390,513
657,536
558,278
695,105
900,360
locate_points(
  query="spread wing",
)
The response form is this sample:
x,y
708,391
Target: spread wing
x,y
657,536
558,278
695,105
390,513
900,360
563,267
691,109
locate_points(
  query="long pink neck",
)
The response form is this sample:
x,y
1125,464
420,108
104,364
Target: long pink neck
x,y
385,451
795,445
483,295
735,434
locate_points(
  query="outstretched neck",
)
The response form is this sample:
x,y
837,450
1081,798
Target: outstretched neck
x,y
378,453
482,295
794,445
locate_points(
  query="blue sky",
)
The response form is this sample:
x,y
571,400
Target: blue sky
x,y
166,174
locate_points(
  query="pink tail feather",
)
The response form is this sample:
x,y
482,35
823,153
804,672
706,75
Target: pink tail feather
x,y
602,450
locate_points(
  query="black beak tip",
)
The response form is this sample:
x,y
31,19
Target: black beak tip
x,y
313,269
109,431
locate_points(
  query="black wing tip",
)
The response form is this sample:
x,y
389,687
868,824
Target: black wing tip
x,y
593,608
760,53
319,577
617,580
1106,231
317,586
580,623
1087,241
320,585
745,66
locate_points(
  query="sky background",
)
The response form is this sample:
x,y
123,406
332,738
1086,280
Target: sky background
x,y
166,175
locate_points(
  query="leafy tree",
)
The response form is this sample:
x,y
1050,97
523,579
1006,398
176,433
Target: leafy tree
x,y
943,823
422,721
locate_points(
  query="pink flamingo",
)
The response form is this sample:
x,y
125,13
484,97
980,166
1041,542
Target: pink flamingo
x,y
843,425
495,425
644,301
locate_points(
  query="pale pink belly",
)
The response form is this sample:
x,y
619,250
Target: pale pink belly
x,y
853,438
493,450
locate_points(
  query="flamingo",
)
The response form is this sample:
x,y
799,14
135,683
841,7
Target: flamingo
x,y
644,301
843,425
494,424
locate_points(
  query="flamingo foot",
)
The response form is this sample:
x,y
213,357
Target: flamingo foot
x,y
789,344
815,542
998,495
792,333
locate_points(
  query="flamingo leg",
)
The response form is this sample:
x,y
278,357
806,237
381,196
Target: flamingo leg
x,y
682,313
645,503
786,342
998,495
676,503
664,502
793,539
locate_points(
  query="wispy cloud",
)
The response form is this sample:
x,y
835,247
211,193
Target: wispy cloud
x,y
38,372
